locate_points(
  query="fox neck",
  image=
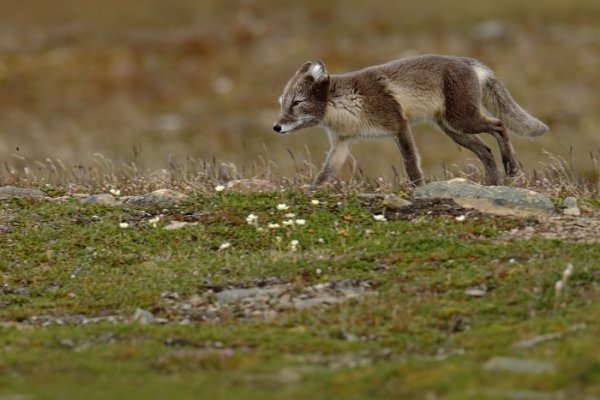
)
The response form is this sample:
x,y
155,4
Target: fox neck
x,y
344,109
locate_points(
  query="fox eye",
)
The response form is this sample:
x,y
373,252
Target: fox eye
x,y
296,102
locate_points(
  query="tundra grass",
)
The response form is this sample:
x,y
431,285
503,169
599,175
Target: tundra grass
x,y
421,336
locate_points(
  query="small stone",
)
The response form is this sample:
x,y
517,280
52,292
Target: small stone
x,y
160,198
251,186
288,375
475,292
570,207
518,365
170,295
233,295
393,201
11,192
143,317
106,199
175,225
303,304
69,343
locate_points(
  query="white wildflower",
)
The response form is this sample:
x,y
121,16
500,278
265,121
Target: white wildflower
x,y
123,225
319,271
277,239
567,272
290,215
558,286
294,245
219,188
154,221
314,202
379,217
115,192
300,222
273,225
460,218
282,207
321,240
224,246
288,222
251,219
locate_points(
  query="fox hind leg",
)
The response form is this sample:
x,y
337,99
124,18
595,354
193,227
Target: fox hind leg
x,y
478,147
509,157
478,123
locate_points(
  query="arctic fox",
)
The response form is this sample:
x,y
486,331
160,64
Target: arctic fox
x,y
384,100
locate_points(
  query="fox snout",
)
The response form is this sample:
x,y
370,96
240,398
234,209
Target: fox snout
x,y
283,126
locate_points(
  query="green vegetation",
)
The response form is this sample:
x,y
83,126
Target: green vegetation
x,y
423,333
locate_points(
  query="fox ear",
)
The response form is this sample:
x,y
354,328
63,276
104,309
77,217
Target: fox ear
x,y
318,71
304,68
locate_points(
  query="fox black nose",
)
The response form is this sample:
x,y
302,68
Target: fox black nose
x,y
277,128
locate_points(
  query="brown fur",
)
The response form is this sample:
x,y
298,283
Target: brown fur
x,y
384,100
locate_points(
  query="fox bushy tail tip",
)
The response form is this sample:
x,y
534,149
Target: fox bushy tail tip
x,y
499,102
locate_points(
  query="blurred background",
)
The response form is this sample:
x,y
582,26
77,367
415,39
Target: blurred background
x,y
156,80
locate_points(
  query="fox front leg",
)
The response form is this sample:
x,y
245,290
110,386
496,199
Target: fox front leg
x,y
333,163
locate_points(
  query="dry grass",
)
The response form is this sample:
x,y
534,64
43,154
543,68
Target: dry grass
x,y
557,177
159,88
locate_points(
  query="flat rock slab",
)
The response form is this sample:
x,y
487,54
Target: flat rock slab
x,y
496,200
11,192
160,197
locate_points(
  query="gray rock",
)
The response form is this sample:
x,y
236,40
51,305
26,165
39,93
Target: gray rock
x,y
143,317
518,365
570,207
160,197
11,192
497,200
106,199
233,295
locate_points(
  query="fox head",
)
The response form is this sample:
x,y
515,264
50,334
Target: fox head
x,y
304,98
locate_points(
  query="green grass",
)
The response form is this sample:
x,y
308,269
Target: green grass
x,y
420,336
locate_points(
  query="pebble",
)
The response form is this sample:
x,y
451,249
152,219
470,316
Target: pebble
x,y
175,225
143,317
475,292
393,201
102,198
570,207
